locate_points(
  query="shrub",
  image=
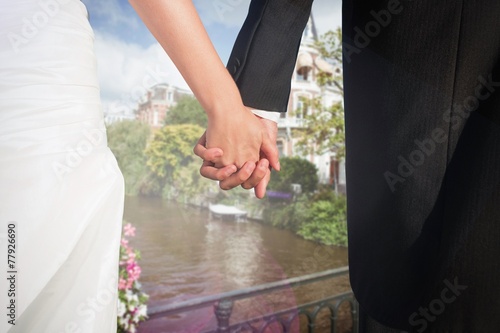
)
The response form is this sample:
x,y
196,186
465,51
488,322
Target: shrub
x,y
294,170
287,215
325,222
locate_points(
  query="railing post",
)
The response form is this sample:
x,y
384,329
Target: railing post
x,y
355,316
223,310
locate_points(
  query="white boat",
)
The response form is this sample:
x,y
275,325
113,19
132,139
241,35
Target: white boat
x,y
227,212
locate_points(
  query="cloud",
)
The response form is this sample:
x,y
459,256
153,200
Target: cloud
x,y
232,13
126,70
327,15
112,13
127,67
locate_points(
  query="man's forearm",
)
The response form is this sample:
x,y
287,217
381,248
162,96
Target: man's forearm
x,y
265,52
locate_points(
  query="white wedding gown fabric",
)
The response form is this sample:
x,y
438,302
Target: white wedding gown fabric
x,y
59,182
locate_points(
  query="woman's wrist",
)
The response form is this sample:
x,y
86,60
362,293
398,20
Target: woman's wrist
x,y
223,104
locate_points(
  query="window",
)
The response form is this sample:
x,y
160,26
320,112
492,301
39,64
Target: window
x,y
303,74
302,107
304,66
159,94
280,146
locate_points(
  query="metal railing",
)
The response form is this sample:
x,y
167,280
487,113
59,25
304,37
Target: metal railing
x,y
223,305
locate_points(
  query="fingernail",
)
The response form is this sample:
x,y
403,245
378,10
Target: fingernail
x,y
279,166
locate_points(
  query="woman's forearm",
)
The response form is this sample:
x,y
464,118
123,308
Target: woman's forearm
x,y
178,28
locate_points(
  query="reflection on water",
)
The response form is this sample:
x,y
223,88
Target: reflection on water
x,y
235,248
184,255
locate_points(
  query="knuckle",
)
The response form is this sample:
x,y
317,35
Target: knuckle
x,y
243,175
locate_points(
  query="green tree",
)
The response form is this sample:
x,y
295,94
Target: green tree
x,y
325,222
171,151
323,129
127,140
329,46
294,170
188,183
187,111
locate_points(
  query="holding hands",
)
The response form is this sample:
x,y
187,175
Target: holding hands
x,y
239,150
241,146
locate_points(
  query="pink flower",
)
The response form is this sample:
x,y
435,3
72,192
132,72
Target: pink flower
x,y
129,313
131,267
122,284
130,282
134,271
131,258
129,230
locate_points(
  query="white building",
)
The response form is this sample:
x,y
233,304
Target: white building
x,y
112,115
304,85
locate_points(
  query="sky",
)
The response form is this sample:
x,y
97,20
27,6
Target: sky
x,y
130,60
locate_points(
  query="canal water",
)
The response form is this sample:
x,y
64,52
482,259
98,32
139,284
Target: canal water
x,y
186,255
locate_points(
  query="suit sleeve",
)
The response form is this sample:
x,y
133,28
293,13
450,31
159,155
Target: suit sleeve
x,y
265,51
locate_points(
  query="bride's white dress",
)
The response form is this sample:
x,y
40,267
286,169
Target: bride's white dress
x,y
59,182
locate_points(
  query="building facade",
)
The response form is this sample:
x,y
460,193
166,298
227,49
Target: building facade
x,y
116,116
304,85
154,107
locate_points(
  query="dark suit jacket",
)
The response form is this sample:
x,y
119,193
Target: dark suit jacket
x,y
422,105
